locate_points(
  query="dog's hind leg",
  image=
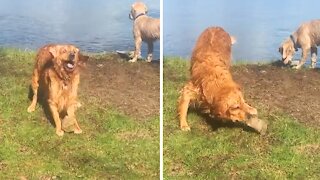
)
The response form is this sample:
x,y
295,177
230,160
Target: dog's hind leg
x,y
56,118
34,86
150,51
187,94
314,53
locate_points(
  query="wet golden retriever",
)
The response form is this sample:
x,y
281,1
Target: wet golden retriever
x,y
211,85
145,29
56,73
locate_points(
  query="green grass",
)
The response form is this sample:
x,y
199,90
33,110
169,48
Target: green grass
x,y
112,146
290,150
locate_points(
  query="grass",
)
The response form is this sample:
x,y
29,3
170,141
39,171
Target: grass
x,y
290,150
112,146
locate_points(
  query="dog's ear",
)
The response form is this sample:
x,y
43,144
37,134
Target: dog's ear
x,y
233,39
53,51
146,9
56,50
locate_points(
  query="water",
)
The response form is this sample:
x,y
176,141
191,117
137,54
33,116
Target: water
x,y
259,26
94,26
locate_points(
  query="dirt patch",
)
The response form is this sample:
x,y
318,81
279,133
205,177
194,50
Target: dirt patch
x,y
132,88
273,87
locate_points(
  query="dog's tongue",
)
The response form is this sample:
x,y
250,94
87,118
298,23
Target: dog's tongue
x,y
69,65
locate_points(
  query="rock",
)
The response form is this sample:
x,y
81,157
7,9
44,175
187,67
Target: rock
x,y
68,124
257,124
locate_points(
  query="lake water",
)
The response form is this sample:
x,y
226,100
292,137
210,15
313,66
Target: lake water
x,y
94,26
259,26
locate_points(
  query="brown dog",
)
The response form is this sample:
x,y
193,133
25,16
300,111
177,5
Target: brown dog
x,y
211,85
306,37
145,29
56,72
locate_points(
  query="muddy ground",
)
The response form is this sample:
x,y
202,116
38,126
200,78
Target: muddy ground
x,y
275,87
131,88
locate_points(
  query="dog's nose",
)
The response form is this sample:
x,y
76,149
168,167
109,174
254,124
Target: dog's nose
x,y
71,57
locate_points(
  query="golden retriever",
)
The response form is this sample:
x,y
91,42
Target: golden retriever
x,y
145,29
56,73
306,37
211,85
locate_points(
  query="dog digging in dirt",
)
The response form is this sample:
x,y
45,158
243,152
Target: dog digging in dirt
x,y
56,77
145,28
306,37
211,87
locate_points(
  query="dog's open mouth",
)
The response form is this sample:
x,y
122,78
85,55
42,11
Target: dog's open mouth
x,y
69,65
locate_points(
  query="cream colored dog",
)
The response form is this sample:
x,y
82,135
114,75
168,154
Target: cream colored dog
x,y
307,37
145,29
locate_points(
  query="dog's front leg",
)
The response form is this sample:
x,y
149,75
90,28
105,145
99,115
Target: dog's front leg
x,y
303,58
71,115
314,53
150,51
56,118
187,94
137,51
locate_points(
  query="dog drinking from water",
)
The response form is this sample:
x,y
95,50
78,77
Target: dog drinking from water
x,y
306,37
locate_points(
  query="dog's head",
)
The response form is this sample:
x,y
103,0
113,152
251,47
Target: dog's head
x,y
287,51
66,57
137,9
231,105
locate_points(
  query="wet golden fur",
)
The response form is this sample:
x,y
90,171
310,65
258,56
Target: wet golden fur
x,y
58,82
211,85
145,28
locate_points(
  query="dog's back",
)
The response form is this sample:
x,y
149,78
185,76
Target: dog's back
x,y
148,27
211,56
311,29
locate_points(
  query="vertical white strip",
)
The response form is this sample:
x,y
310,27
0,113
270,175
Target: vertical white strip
x,y
161,89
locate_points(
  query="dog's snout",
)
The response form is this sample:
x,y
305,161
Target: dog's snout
x,y
71,56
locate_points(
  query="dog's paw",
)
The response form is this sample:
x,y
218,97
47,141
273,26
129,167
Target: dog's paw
x,y
31,108
77,131
79,104
296,67
149,58
132,60
59,132
185,128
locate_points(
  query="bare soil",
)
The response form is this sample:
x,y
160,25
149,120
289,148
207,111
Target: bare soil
x,y
275,87
131,88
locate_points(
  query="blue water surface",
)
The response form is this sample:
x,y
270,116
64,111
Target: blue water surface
x,y
259,25
93,25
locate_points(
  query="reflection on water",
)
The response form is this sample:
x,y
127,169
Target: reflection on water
x,y
259,26
93,25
